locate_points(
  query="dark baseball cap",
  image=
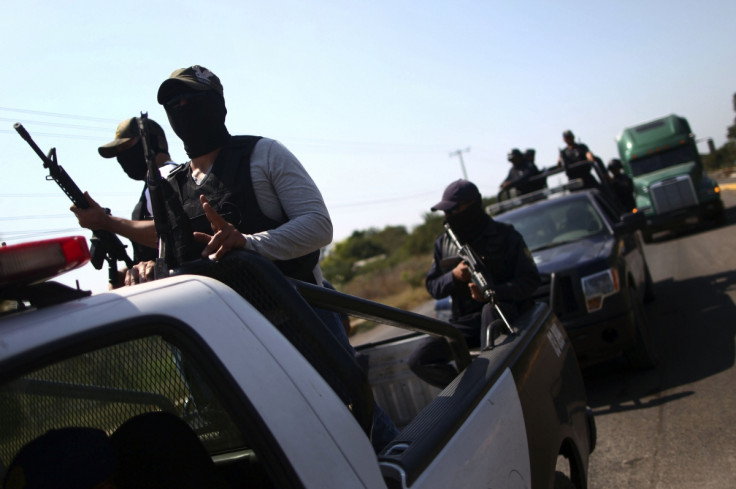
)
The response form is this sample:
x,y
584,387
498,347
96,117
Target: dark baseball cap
x,y
67,458
568,134
126,132
514,153
195,77
458,192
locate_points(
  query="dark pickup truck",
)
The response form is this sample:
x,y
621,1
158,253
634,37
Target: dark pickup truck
x,y
593,266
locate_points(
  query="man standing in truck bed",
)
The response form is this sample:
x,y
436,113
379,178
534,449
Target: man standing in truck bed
x,y
507,260
575,153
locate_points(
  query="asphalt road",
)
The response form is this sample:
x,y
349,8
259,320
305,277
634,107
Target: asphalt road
x,y
675,426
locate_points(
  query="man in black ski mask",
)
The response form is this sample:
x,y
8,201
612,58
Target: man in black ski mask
x,y
507,260
238,192
127,148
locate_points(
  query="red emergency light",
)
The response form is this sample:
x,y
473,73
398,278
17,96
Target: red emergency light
x,y
36,261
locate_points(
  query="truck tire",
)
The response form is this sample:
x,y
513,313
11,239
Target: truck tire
x,y
646,235
562,481
648,285
720,218
643,355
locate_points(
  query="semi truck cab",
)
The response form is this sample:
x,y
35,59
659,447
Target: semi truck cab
x,y
670,183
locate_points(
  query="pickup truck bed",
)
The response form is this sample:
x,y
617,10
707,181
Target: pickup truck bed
x,y
257,377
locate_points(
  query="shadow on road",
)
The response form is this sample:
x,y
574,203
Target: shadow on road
x,y
693,326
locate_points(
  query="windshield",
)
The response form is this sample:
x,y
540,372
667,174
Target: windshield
x,y
553,224
665,159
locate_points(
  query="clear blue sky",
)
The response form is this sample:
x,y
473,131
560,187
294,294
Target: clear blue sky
x,y
372,97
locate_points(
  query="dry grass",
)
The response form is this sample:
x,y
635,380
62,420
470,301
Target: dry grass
x,y
401,286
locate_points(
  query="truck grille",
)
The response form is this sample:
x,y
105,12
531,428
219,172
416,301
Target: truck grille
x,y
564,295
673,194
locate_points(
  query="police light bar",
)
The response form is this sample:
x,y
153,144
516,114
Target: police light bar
x,y
40,260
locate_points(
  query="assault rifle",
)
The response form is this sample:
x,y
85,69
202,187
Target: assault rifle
x,y
176,243
479,276
104,245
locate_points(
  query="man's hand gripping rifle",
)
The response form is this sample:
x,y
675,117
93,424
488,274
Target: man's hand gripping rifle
x,y
104,245
479,276
176,242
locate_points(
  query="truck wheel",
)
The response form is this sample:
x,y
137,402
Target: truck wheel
x,y
643,355
562,481
646,235
720,218
648,285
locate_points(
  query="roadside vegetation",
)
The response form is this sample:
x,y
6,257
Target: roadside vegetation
x,y
389,265
723,158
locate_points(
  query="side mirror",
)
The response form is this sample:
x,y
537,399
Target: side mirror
x,y
630,222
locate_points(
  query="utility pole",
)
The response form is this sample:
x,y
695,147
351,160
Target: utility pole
x,y
459,154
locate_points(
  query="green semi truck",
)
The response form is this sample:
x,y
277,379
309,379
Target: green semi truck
x,y
670,183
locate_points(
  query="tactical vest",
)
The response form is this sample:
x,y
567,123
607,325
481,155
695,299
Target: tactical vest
x,y
229,190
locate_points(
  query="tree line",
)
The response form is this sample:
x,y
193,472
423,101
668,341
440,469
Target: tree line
x,y
372,250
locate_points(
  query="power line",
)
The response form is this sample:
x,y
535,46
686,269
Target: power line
x,y
382,201
27,218
62,136
56,114
56,124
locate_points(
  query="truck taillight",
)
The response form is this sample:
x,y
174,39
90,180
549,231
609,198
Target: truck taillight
x,y
40,260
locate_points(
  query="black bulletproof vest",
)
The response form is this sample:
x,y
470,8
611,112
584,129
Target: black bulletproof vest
x,y
229,189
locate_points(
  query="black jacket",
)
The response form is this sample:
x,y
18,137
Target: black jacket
x,y
507,260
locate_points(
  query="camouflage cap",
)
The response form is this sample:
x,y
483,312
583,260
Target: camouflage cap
x,y
125,135
196,77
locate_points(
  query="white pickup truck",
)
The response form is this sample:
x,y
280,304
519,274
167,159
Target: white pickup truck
x,y
235,350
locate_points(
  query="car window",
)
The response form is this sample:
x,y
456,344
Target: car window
x,y
664,159
110,385
556,223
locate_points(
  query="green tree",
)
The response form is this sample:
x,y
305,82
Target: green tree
x,y
725,156
422,238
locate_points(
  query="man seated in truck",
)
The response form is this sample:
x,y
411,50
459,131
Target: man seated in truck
x,y
507,260
622,185
522,169
127,149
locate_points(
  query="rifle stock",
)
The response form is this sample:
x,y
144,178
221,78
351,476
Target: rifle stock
x,y
104,245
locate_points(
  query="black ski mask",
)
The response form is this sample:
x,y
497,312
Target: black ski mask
x,y
468,223
199,121
133,162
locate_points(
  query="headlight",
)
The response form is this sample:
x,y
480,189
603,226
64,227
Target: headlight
x,y
598,286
